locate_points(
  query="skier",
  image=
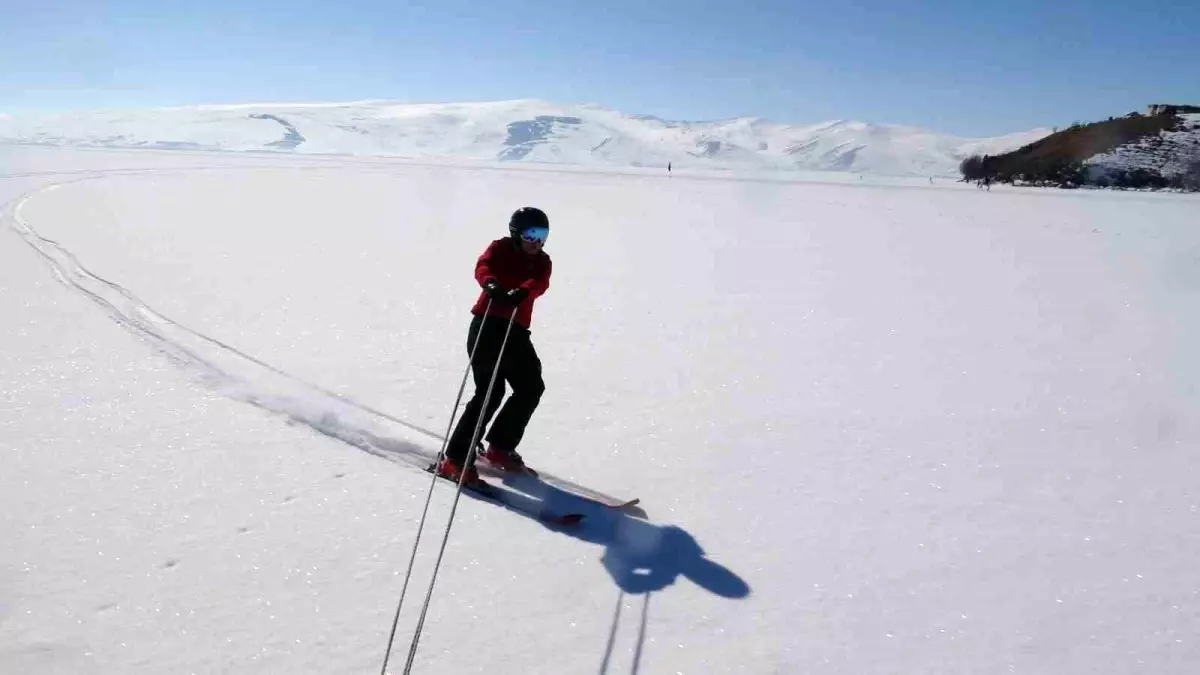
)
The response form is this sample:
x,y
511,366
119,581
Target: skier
x,y
512,272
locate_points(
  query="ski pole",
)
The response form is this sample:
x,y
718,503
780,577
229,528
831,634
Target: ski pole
x,y
462,385
412,651
429,495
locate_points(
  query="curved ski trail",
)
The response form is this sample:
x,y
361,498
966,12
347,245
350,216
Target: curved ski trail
x,y
236,374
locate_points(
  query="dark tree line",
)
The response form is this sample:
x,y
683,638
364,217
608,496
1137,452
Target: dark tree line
x,y
1037,170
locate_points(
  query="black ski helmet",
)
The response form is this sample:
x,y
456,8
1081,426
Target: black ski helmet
x,y
525,218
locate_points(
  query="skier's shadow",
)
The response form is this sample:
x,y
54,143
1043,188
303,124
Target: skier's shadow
x,y
640,556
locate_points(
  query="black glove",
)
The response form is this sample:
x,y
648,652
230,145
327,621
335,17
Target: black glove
x,y
516,296
493,290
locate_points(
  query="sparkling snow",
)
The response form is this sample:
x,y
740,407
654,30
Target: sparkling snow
x,y
877,427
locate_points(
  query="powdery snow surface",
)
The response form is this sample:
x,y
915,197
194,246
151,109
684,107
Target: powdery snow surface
x,y
522,130
876,427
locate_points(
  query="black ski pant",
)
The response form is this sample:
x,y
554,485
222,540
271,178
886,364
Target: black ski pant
x,y
519,367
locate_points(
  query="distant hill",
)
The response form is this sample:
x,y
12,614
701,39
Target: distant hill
x,y
517,131
1158,149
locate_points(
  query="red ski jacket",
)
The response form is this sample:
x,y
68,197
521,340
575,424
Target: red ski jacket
x,y
512,268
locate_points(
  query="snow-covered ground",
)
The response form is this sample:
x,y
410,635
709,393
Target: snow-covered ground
x,y
518,131
877,426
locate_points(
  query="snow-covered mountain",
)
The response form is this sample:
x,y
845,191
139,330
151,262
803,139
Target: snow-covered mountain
x,y
522,130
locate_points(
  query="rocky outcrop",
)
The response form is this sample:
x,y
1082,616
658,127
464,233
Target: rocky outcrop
x,y
1155,109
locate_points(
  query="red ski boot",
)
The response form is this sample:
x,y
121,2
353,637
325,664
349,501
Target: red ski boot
x,y
449,469
505,460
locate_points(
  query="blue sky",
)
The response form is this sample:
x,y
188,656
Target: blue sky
x,y
964,67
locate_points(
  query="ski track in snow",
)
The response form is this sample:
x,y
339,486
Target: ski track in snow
x,y
640,556
236,374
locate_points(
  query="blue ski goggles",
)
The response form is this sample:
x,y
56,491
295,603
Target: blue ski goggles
x,y
535,235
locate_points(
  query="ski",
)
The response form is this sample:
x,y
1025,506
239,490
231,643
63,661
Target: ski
x,y
616,505
565,486
502,497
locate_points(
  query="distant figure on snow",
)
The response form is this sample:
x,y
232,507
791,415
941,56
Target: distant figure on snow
x,y
668,168
512,272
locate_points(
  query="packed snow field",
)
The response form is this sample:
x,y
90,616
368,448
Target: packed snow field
x,y
876,427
